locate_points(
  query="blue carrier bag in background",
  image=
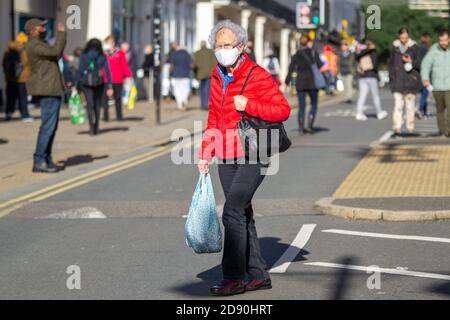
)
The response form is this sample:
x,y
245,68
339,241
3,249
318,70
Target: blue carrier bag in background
x,y
202,230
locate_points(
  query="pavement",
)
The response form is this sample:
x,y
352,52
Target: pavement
x,y
74,148
400,179
121,224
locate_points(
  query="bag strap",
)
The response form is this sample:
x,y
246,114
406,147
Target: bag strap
x,y
246,80
245,85
303,53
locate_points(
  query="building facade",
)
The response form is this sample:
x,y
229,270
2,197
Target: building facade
x,y
271,23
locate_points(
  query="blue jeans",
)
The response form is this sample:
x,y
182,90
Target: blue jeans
x,y
314,96
50,107
205,89
423,105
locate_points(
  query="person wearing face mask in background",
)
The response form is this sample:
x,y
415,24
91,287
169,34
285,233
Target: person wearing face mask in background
x,y
120,71
405,81
243,267
47,83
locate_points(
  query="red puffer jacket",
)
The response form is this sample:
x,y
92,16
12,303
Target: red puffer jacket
x,y
265,101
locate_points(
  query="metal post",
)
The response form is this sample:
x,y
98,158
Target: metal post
x,y
13,19
157,54
151,83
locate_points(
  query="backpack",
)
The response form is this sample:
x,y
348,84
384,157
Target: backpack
x,y
93,75
13,65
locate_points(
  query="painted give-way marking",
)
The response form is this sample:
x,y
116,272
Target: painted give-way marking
x,y
386,236
291,253
382,270
82,213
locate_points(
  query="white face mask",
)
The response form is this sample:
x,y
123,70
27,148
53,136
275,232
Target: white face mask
x,y
107,47
227,57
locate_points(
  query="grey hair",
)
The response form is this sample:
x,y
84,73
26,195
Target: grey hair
x,y
240,33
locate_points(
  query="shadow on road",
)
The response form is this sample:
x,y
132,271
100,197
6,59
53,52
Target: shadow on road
x,y
442,289
107,130
342,279
79,160
271,249
3,141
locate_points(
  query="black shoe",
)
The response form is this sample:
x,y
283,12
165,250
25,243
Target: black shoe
x,y
44,168
311,129
53,165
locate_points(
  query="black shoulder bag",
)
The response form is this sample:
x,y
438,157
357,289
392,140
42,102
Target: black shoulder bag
x,y
256,135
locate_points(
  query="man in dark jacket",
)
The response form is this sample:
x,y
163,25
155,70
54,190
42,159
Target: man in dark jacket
x,y
405,82
47,83
301,63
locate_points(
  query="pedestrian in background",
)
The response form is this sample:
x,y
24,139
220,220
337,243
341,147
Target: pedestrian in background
x,y
302,63
436,78
425,45
205,62
47,83
405,82
120,71
272,65
329,69
131,57
347,70
90,80
181,65
368,79
250,52
17,72
147,66
243,266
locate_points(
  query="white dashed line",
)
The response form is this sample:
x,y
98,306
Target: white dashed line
x,y
82,213
401,272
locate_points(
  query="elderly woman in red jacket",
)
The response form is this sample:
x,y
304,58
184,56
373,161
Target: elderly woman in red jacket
x,y
243,266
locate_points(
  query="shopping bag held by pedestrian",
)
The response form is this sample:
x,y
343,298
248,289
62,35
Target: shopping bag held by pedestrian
x,y
256,135
76,108
202,229
319,79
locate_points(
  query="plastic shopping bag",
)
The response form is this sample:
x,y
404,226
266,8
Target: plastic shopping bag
x,y
133,97
202,230
76,108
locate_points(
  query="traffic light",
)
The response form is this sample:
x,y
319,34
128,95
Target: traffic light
x,y
305,15
316,16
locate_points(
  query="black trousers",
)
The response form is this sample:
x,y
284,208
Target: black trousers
x,y
242,253
118,89
94,100
17,92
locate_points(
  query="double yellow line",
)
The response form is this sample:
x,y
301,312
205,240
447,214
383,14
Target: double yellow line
x,y
8,207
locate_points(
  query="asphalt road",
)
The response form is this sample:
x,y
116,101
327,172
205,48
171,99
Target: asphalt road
x,y
138,250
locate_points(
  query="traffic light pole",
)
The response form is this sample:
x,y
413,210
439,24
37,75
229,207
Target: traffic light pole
x,y
157,56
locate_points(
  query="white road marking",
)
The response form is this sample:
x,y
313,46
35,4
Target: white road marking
x,y
82,213
291,253
386,136
387,236
382,270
